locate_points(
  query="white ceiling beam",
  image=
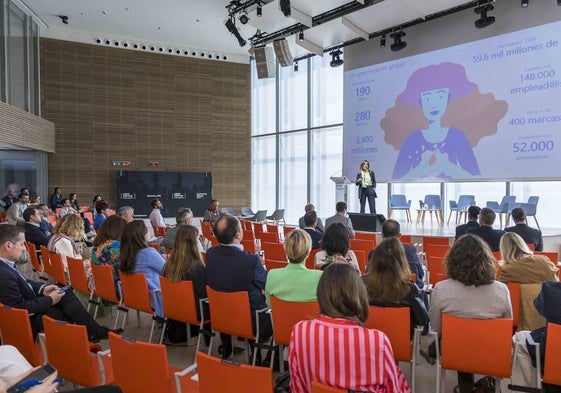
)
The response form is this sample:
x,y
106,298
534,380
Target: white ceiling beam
x,y
301,17
414,8
309,46
355,29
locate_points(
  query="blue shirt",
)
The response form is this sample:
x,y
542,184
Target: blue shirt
x,y
150,262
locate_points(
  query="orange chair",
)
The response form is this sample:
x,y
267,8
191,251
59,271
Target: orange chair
x,y
178,300
515,299
311,260
395,323
35,263
405,239
274,251
136,295
362,260
258,229
362,245
140,367
318,387
249,245
551,371
553,256
271,264
79,365
443,241
44,256
284,316
217,375
267,237
248,235
465,343
55,268
436,269
271,228
230,313
89,216
286,230
15,327
77,274
247,225
206,229
104,288
369,236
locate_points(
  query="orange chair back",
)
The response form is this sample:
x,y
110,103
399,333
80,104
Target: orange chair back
x,y
89,216
406,239
318,387
272,228
286,230
362,245
435,266
77,274
140,367
248,245
311,260
248,235
395,323
286,314
52,219
44,255
436,250
274,251
515,299
553,256
135,292
55,268
443,241
258,229
155,247
369,236
178,299
552,363
15,327
497,255
247,225
362,260
462,353
271,264
206,229
78,365
230,312
32,251
104,282
215,374
267,237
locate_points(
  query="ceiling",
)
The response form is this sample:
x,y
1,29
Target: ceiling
x,y
194,27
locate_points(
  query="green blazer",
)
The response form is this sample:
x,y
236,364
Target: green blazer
x,y
294,283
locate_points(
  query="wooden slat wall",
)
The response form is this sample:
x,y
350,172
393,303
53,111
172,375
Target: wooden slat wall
x,y
116,104
21,128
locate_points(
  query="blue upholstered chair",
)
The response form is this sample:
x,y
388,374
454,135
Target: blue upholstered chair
x,y
529,207
503,208
400,202
460,207
432,203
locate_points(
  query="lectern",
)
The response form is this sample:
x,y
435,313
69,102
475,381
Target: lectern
x,y
341,189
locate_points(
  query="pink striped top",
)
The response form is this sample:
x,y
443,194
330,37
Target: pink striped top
x,y
341,353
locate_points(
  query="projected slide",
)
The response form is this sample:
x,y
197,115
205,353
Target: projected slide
x,y
484,110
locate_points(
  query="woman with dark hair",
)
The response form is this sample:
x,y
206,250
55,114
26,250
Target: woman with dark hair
x,y
73,198
366,182
95,200
335,245
102,209
470,291
138,257
388,281
107,244
337,340
185,263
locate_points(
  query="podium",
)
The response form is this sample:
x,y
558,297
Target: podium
x,y
341,189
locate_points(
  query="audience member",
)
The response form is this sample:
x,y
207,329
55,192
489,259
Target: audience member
x,y
338,333
35,200
68,232
213,213
184,216
310,221
14,215
95,200
529,234
10,198
335,247
473,214
485,231
38,298
470,291
319,225
138,257
185,263
127,212
12,364
156,218
230,269
73,198
45,224
32,227
56,198
341,217
107,244
102,209
66,208
388,281
294,283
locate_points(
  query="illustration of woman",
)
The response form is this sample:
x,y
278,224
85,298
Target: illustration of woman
x,y
436,122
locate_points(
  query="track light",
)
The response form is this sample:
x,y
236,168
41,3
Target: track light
x,y
285,7
231,26
336,60
301,35
523,3
244,18
397,44
484,20
383,41
63,19
296,66
260,9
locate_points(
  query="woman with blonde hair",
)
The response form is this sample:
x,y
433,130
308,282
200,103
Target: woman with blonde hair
x,y
388,281
294,283
67,232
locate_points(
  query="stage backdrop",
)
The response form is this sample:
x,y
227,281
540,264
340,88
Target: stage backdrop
x,y
174,189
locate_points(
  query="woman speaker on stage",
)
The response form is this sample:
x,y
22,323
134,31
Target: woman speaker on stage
x,y
366,182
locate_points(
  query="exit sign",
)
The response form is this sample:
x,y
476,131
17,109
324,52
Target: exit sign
x,y
121,163
153,164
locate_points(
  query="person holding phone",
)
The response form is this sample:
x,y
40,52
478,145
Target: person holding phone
x,y
366,182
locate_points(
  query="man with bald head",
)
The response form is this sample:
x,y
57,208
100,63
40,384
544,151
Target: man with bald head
x,y
230,269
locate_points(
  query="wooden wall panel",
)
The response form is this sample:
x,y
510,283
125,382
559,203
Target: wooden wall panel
x,y
21,128
115,104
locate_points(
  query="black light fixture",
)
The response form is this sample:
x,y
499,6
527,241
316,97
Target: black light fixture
x,y
383,41
260,9
285,7
397,44
524,3
301,35
559,3
295,66
244,18
63,19
336,60
484,20
231,26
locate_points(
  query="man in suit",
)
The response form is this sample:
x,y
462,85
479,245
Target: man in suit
x,y
473,214
230,269
32,227
310,220
341,216
485,231
301,224
37,298
530,235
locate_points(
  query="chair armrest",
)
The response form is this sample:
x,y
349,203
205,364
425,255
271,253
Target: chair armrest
x,y
100,356
179,375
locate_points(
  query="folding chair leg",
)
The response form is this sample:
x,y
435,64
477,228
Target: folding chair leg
x,y
164,331
450,216
281,357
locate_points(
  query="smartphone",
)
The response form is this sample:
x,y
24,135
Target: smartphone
x,y
63,289
38,375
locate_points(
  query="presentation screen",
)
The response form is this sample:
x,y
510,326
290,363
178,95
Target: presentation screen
x,y
174,189
484,110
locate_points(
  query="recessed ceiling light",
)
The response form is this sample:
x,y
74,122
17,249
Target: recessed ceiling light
x,y
104,12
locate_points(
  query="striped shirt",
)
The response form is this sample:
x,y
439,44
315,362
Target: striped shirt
x,y
341,353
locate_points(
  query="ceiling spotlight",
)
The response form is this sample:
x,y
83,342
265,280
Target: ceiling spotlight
x,y
296,66
523,3
231,26
285,7
260,9
64,19
336,60
244,18
484,20
301,35
383,41
397,44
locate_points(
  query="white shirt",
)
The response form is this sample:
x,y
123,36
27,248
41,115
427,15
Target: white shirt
x,y
156,218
